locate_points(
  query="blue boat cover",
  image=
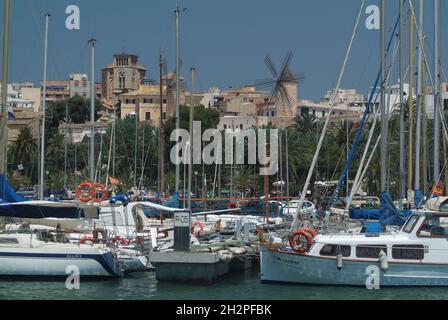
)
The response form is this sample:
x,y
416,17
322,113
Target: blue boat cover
x,y
25,210
388,214
7,194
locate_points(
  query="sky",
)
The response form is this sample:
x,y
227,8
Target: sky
x,y
225,40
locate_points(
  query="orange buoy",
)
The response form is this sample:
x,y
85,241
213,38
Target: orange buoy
x,y
301,241
84,196
201,228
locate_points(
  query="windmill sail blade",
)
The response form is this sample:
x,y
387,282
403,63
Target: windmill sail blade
x,y
286,62
271,66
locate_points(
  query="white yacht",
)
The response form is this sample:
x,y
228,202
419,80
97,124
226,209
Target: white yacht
x,y
416,255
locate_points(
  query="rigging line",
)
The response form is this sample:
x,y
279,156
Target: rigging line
x,y
358,177
363,122
327,120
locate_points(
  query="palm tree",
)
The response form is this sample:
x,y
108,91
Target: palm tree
x,y
243,178
23,151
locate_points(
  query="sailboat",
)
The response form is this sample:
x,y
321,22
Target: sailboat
x,y
415,255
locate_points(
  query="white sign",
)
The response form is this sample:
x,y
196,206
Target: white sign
x,y
373,19
73,21
182,219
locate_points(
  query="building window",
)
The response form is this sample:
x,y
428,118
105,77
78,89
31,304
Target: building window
x,y
408,252
241,126
130,101
368,251
164,101
122,80
323,113
225,127
272,113
163,115
332,250
148,101
147,116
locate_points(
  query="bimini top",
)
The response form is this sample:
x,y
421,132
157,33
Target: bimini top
x,y
48,209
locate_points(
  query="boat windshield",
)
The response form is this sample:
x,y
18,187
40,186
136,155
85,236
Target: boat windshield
x,y
410,224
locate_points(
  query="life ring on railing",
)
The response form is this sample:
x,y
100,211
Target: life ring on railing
x,y
86,196
87,239
201,228
99,193
301,241
121,240
310,231
232,205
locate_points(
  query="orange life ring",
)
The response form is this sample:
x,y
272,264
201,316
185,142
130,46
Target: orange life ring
x,y
310,231
99,193
232,205
120,239
201,228
301,241
87,238
85,197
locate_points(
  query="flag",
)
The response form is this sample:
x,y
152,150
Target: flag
x,y
114,181
356,127
438,190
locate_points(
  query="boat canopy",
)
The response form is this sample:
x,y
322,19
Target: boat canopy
x,y
7,194
387,214
48,209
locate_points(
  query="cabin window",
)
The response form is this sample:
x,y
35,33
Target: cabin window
x,y
332,250
370,251
9,241
408,252
434,227
409,226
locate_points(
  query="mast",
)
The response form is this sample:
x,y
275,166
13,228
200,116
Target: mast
x,y
402,138
420,97
190,146
410,101
436,92
161,169
287,165
92,42
65,147
383,98
4,96
177,90
44,106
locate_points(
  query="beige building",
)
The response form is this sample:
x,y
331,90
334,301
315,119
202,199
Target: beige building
x,y
123,75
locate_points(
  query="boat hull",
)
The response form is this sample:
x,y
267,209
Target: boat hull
x,y
51,263
284,267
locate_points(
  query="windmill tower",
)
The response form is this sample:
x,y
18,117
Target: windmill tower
x,y
283,100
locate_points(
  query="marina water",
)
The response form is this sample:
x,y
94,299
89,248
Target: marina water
x,y
239,286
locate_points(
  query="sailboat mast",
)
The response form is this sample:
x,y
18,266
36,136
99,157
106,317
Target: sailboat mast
x,y
383,98
402,138
177,90
410,102
190,152
418,130
436,92
161,177
4,97
92,112
44,106
65,147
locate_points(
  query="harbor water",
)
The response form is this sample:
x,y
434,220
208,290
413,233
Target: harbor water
x,y
239,286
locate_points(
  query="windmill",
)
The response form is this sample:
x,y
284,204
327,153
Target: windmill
x,y
283,99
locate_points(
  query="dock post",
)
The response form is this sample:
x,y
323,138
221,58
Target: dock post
x,y
182,231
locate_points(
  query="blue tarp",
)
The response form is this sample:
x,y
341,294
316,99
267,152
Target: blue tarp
x,y
25,210
7,194
388,214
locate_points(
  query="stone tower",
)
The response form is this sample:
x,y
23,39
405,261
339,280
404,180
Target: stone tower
x,y
124,74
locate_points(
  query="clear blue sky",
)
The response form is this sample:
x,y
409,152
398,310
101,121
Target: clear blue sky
x,y
226,40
